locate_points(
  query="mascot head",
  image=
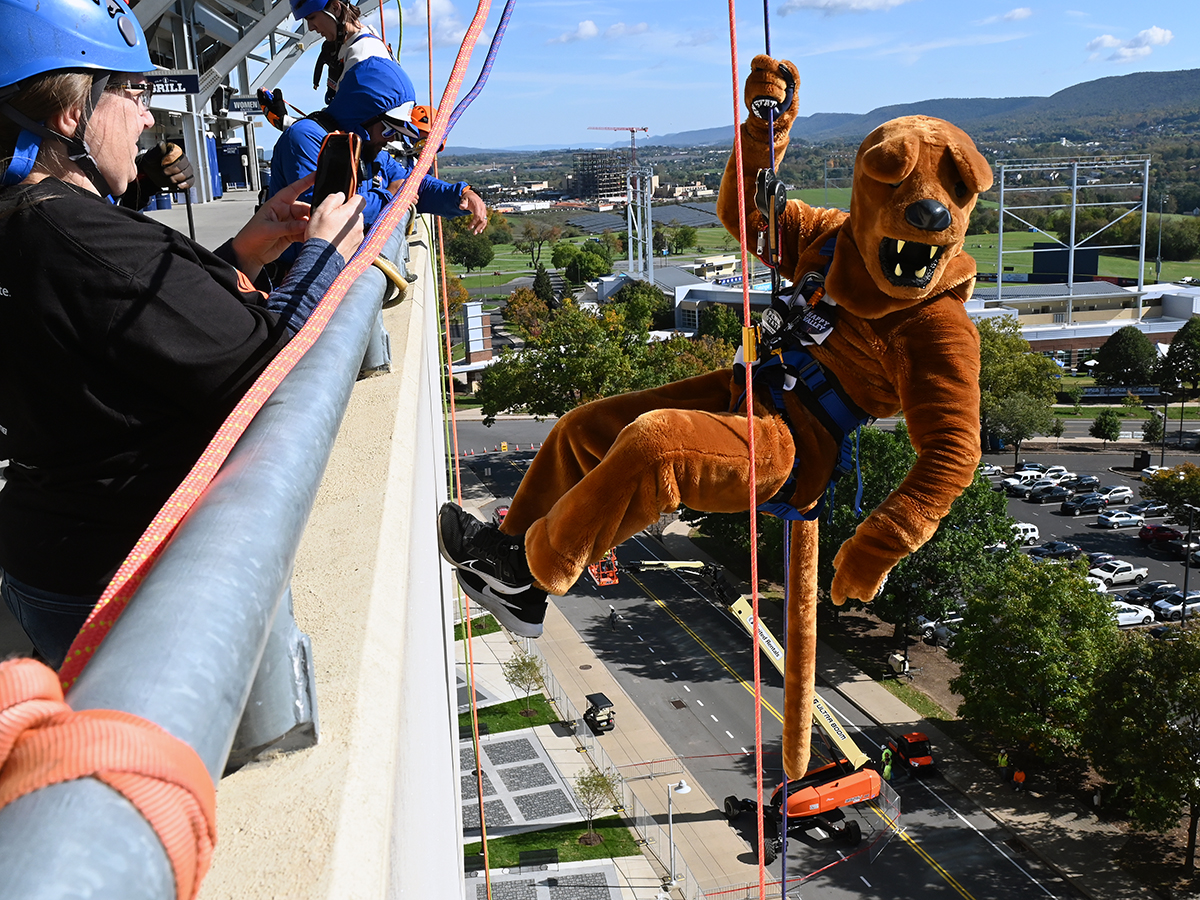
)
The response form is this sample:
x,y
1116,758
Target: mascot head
x,y
916,180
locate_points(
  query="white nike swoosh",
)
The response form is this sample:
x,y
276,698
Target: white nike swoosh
x,y
491,580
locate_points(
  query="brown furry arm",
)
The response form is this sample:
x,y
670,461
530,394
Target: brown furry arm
x,y
933,359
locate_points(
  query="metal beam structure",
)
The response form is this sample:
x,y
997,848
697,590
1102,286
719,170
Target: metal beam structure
x,y
639,227
1034,182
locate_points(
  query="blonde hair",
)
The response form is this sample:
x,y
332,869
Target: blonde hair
x,y
42,97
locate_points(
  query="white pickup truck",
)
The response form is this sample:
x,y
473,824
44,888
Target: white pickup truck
x,y
1117,571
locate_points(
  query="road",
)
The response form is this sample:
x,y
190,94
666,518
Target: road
x,y
685,664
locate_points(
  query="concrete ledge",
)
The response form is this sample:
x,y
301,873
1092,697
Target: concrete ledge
x,y
322,822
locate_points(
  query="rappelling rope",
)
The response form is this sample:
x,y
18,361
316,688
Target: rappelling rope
x,y
747,334
140,560
487,64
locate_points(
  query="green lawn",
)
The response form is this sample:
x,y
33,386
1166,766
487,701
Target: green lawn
x,y
505,852
482,625
507,716
983,248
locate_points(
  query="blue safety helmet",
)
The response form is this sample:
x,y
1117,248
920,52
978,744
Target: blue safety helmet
x,y
370,89
302,9
44,35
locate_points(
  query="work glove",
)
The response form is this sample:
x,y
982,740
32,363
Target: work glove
x,y
273,107
166,167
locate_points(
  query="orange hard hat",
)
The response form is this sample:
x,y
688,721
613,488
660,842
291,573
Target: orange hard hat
x,y
422,117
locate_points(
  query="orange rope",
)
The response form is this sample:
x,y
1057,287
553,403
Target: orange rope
x,y
737,155
44,742
467,635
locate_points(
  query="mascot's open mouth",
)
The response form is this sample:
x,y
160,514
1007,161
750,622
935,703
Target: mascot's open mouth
x,y
908,263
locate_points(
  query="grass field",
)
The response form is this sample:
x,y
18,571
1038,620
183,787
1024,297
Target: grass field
x,y
479,627
505,852
507,716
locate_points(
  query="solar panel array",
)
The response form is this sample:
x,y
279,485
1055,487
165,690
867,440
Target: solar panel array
x,y
683,214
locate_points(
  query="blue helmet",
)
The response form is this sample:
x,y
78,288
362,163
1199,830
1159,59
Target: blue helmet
x,y
44,35
374,87
302,9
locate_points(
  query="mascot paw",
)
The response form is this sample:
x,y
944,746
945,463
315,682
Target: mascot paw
x,y
771,87
858,575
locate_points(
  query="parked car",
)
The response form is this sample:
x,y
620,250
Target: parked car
x,y
1056,550
1026,533
1116,493
1151,470
1083,503
1018,479
1154,533
913,751
1081,484
1119,518
1149,508
1059,472
1024,490
1182,549
1117,571
1149,591
928,627
1049,494
1031,467
987,468
1097,558
1127,614
1170,609
1098,584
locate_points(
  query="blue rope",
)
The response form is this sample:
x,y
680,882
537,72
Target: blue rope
x,y
787,584
487,66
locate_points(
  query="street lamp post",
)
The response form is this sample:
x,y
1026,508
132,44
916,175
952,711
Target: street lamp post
x,y
1187,565
682,788
1158,260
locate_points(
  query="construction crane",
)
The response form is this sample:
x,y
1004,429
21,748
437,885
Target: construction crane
x,y
632,137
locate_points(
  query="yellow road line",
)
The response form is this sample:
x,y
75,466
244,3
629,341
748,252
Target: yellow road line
x,y
904,836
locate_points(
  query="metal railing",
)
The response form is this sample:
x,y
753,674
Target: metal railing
x,y
187,651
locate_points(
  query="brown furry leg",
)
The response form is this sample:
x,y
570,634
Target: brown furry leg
x,y
663,459
801,649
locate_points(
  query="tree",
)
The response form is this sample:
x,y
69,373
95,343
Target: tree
x,y
456,295
471,250
612,242
1019,416
720,321
587,264
498,230
562,254
1153,429
527,313
1183,356
1074,393
645,306
1056,429
535,236
1126,358
685,238
1177,487
1106,426
542,286
1007,366
523,671
1144,731
1034,638
594,790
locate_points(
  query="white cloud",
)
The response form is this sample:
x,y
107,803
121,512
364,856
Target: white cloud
x,y
623,30
1140,45
1013,15
585,32
910,53
448,26
833,7
696,38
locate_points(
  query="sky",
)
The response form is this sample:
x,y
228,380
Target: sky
x,y
665,65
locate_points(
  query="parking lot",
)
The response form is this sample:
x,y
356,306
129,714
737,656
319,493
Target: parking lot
x,y
1083,530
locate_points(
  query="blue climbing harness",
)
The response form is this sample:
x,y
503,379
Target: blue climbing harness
x,y
785,364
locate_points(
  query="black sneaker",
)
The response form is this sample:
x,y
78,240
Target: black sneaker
x,y
521,613
482,549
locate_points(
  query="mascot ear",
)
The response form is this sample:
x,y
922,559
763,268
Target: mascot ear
x,y
892,159
972,166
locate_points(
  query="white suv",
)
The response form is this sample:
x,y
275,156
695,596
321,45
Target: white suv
x,y
1026,533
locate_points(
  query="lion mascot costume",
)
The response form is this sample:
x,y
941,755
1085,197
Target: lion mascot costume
x,y
875,327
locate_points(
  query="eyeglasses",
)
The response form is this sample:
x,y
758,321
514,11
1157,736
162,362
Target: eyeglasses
x,y
143,90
